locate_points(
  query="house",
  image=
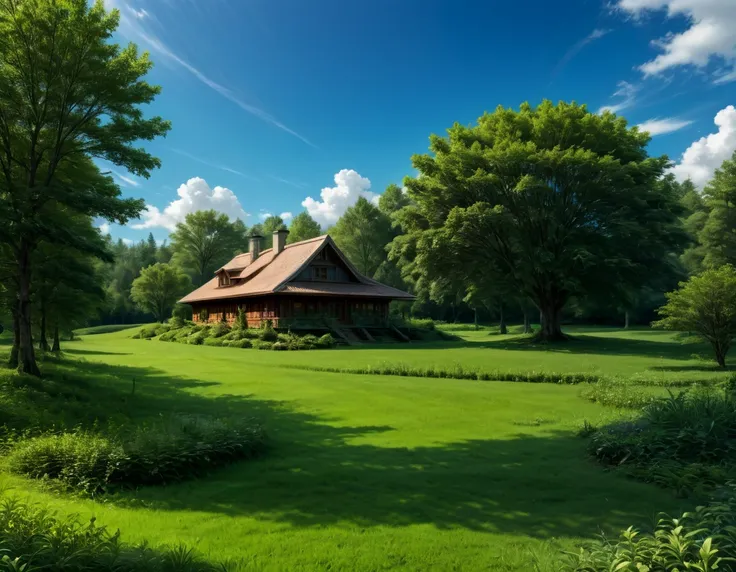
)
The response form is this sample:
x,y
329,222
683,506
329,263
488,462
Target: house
x,y
305,285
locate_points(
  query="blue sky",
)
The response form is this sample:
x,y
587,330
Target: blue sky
x,y
275,101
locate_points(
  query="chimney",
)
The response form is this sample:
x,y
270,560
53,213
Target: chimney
x,y
255,246
279,240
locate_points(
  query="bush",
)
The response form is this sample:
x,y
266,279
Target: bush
x,y
216,342
686,442
197,339
168,451
162,329
242,343
421,324
279,346
147,332
219,329
176,322
614,393
34,539
261,345
326,341
182,312
241,321
267,333
703,539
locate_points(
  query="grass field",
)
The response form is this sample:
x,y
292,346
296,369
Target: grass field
x,y
383,472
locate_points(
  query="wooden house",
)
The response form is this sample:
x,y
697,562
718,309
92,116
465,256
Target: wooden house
x,y
305,285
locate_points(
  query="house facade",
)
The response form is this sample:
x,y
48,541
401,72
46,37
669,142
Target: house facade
x,y
304,285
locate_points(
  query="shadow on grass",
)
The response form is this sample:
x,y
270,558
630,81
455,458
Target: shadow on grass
x,y
320,472
703,367
71,350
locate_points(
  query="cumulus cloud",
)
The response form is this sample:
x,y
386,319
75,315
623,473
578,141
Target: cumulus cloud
x,y
349,186
705,155
626,93
711,33
104,228
194,195
127,241
661,126
286,216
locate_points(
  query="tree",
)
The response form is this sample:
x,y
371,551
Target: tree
x,y
362,233
203,243
716,236
158,288
706,306
270,225
66,95
393,200
558,200
303,227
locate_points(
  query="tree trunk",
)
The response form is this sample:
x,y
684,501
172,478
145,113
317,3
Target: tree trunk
x,y
502,329
57,346
26,355
626,320
43,343
15,350
551,315
475,317
527,327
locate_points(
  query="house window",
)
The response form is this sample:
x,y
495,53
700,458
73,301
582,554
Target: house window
x,y
224,279
319,273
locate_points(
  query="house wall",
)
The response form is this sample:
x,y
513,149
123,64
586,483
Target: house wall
x,y
296,311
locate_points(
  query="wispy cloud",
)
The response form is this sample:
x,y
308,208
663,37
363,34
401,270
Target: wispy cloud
x,y
211,164
577,47
725,78
661,126
626,93
131,25
296,184
125,180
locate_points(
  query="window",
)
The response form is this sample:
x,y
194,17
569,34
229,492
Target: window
x,y
224,279
319,273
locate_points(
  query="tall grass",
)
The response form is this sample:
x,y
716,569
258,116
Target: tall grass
x,y
167,451
32,539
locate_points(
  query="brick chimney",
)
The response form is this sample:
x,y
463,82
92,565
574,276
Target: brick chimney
x,y
255,246
279,240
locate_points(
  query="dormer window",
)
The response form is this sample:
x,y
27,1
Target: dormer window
x,y
319,273
224,279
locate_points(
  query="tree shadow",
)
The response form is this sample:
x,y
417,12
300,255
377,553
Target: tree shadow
x,y
78,352
702,367
319,471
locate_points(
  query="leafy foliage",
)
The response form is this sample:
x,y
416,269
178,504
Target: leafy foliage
x,y
303,227
158,288
706,306
171,450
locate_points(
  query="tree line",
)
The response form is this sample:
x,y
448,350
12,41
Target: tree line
x,y
549,211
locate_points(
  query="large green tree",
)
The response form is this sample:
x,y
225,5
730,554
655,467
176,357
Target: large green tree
x,y
558,200
269,226
303,227
204,242
363,233
67,94
158,288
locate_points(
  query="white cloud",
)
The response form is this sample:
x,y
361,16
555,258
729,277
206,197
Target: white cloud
x,y
725,77
705,155
577,47
210,164
286,216
104,228
127,241
349,186
132,27
263,215
138,14
125,180
711,33
627,93
194,195
662,126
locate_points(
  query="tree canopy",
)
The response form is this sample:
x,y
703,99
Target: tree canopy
x,y
303,227
158,288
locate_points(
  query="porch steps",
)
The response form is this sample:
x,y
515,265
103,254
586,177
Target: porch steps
x,y
347,336
367,335
399,334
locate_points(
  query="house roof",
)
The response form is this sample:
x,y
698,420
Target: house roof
x,y
272,273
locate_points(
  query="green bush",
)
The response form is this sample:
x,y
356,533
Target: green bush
x,y
168,451
219,329
702,540
241,321
216,342
267,333
279,346
326,341
197,339
262,345
176,322
242,343
420,323
34,539
615,393
147,332
162,329
686,442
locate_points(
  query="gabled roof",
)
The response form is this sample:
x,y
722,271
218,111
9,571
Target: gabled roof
x,y
274,273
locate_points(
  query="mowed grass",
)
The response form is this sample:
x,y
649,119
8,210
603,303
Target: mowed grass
x,y
382,472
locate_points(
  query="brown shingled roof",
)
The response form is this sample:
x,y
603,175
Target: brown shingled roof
x,y
270,274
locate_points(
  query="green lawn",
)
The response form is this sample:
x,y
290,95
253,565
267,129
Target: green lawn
x,y
383,472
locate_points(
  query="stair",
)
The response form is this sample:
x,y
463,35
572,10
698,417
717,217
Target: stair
x,y
347,336
398,333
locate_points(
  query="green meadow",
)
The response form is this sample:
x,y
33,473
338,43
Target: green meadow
x,y
374,472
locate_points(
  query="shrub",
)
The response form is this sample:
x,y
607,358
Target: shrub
x,y
685,442
703,539
170,450
162,329
216,342
182,312
147,332
242,343
34,539
267,333
175,322
197,339
614,393
421,323
167,337
262,345
219,329
241,321
326,341
280,346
